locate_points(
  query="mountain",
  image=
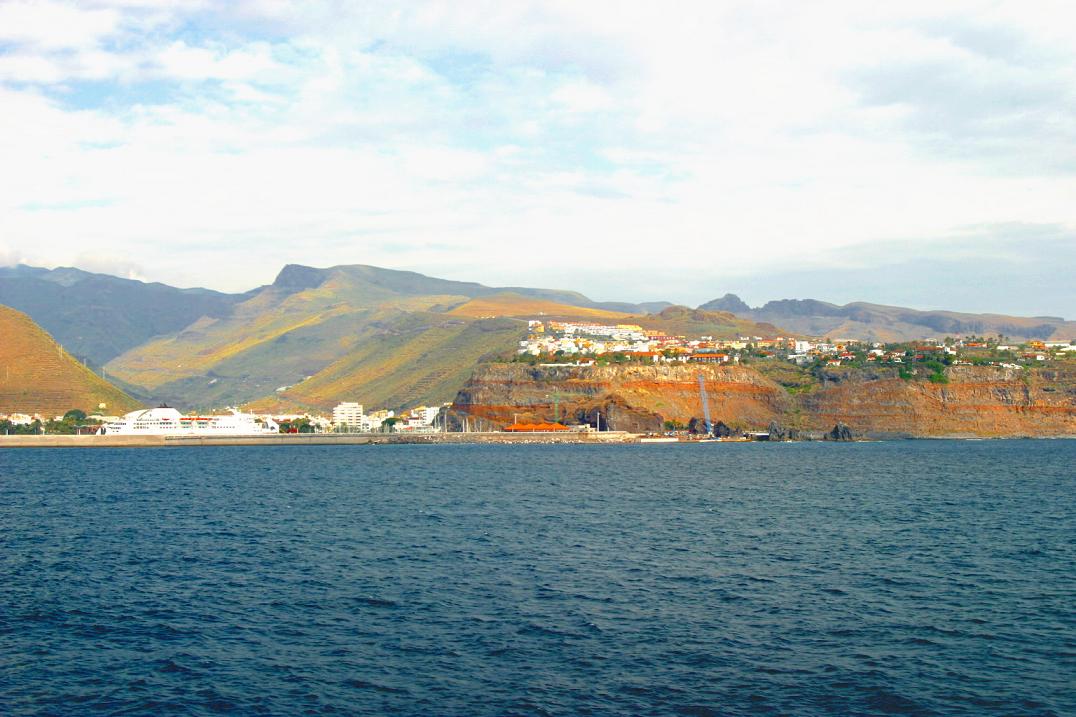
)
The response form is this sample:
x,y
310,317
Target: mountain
x,y
38,376
97,317
877,322
682,321
512,304
728,302
315,337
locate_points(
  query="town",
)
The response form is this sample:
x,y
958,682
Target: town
x,y
568,343
347,417
589,343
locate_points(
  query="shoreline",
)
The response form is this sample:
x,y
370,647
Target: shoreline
x,y
365,439
310,439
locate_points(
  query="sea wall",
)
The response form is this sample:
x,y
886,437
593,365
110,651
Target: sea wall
x,y
310,439
977,401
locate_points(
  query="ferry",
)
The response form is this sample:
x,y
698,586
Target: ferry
x,y
165,421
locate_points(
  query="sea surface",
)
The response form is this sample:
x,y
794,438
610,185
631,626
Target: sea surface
x,y
896,578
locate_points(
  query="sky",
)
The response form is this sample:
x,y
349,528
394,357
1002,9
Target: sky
x,y
921,154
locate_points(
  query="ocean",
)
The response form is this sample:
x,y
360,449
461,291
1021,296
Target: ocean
x,y
892,578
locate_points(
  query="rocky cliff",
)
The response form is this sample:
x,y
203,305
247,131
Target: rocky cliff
x,y
976,401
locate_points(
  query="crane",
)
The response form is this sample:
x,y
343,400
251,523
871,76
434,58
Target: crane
x,y
705,405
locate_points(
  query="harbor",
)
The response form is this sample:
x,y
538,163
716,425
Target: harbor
x,y
311,439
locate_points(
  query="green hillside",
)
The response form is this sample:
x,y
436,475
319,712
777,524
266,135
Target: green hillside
x,y
39,376
385,338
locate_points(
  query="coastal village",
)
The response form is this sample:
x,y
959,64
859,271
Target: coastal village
x,y
580,344
590,342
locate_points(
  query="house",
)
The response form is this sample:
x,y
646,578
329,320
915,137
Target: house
x,y
709,358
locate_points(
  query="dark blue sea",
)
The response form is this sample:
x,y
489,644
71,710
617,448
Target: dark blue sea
x,y
900,578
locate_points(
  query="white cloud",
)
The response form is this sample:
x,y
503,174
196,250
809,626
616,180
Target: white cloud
x,y
54,25
184,62
721,139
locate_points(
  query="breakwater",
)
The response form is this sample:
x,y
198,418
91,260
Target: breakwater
x,y
312,439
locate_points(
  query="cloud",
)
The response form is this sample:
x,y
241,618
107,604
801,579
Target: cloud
x,y
505,142
55,25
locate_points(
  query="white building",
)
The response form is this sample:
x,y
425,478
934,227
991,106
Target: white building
x,y
348,414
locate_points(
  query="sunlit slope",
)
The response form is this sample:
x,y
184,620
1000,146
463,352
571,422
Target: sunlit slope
x,y
205,344
420,358
96,316
259,325
512,304
318,336
38,376
682,321
385,338
266,366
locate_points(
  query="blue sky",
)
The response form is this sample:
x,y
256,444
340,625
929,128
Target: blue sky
x,y
922,154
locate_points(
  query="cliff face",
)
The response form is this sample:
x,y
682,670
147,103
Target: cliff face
x,y
630,397
977,401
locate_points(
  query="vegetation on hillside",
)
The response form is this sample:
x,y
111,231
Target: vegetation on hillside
x,y
38,376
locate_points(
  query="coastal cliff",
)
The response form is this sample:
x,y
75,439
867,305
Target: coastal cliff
x,y
976,401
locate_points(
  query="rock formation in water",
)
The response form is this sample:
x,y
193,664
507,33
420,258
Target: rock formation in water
x,y
840,432
722,430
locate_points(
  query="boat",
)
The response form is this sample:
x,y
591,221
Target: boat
x,y
659,439
166,421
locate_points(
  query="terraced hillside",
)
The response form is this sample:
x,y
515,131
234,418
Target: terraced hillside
x,y
38,376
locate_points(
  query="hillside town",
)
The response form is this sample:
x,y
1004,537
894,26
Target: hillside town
x,y
578,343
587,343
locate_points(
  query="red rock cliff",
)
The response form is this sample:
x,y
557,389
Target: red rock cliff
x,y
977,401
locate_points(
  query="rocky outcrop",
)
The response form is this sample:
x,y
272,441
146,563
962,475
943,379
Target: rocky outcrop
x,y
723,430
977,401
840,432
777,432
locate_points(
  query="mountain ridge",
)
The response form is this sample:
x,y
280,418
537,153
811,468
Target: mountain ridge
x,y
880,322
359,332
356,332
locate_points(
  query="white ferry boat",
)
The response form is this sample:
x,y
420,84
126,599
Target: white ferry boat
x,y
165,421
